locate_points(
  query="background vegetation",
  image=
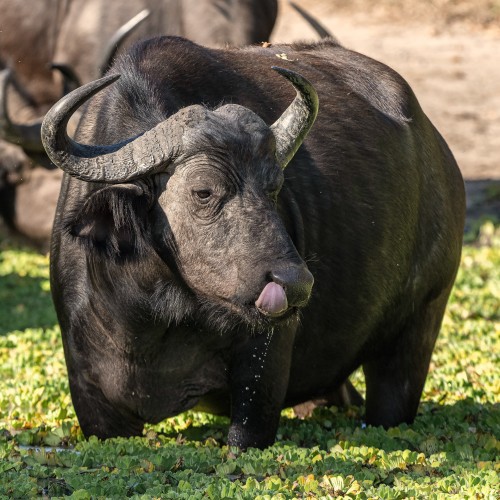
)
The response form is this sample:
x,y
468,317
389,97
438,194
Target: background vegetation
x,y
451,451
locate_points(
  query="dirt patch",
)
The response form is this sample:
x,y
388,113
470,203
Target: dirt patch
x,y
449,52
446,15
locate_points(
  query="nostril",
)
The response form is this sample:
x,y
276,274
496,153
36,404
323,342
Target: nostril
x,y
277,277
297,282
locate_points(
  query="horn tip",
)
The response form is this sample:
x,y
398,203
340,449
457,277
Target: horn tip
x,y
295,78
280,70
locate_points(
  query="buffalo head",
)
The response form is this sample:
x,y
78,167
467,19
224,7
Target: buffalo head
x,y
205,183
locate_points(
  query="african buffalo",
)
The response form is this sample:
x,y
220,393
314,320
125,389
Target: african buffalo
x,y
29,182
184,252
81,37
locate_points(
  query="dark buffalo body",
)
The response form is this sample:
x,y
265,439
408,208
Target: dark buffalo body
x,y
155,279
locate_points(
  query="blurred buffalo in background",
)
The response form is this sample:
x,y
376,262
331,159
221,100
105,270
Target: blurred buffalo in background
x,y
50,47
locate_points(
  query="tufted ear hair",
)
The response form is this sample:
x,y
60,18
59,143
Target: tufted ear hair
x,y
113,220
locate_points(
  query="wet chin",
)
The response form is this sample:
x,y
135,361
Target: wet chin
x,y
224,316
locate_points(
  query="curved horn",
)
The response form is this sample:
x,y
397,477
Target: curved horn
x,y
70,78
116,40
315,25
26,136
291,128
120,162
153,150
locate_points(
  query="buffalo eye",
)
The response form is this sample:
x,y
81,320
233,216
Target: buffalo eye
x,y
202,195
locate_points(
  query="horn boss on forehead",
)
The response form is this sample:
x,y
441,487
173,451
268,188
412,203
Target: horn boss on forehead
x,y
152,151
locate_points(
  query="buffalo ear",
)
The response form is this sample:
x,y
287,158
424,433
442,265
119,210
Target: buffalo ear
x,y
113,220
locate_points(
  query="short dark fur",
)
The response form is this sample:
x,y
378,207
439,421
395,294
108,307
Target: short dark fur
x,y
373,201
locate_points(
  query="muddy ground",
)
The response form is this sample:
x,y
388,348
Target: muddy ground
x,y
449,52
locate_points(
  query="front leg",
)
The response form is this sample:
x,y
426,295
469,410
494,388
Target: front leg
x,y
259,372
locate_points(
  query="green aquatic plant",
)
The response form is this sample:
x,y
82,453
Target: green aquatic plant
x,y
451,451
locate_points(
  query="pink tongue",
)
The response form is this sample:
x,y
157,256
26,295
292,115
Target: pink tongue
x,y
272,299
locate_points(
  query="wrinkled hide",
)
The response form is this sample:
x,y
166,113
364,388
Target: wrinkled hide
x,y
166,286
